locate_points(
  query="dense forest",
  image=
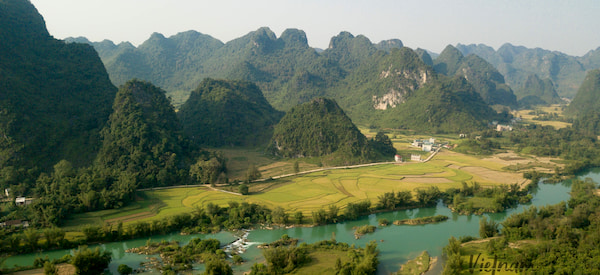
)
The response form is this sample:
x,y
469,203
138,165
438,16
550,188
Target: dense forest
x,y
143,137
142,146
199,53
54,97
588,98
486,80
321,128
448,105
233,113
538,92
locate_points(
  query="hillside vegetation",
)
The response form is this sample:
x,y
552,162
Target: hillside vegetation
x,y
538,92
54,97
486,80
446,106
321,128
587,99
233,113
143,136
517,63
363,77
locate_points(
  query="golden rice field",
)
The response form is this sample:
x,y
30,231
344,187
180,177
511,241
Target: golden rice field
x,y
555,108
307,193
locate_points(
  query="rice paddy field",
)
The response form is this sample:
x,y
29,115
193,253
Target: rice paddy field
x,y
310,192
555,108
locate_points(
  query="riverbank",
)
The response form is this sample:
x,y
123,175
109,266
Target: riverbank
x,y
396,243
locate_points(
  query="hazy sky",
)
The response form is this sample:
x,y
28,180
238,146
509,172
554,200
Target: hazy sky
x,y
567,26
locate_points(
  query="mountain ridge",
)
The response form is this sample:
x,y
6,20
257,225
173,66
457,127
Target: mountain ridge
x,y
60,94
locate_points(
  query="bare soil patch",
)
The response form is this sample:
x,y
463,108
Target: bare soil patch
x,y
511,158
494,176
508,158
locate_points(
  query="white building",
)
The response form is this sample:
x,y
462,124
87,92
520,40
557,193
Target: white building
x,y
398,158
21,201
502,128
414,157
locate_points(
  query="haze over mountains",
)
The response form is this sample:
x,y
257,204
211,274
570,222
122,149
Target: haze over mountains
x,y
517,63
290,72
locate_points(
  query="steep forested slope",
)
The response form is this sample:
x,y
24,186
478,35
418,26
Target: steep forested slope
x,y
587,99
319,128
143,136
447,105
54,97
227,112
486,80
536,91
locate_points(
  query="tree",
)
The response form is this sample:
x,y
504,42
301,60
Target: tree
x,y
332,214
487,229
298,217
253,173
296,167
54,236
216,266
454,261
319,216
64,169
383,144
88,261
124,269
31,238
243,189
50,268
279,216
429,196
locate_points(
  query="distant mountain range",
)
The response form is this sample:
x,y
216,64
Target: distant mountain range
x,y
368,80
517,63
180,62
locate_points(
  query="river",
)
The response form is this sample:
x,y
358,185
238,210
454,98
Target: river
x,y
397,244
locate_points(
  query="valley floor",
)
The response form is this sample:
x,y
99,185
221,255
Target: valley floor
x,y
310,192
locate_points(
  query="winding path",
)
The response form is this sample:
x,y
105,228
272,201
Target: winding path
x,y
285,176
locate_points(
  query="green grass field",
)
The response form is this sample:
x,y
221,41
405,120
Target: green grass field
x,y
322,262
416,266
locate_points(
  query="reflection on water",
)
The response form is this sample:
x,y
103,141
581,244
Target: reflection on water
x,y
397,244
